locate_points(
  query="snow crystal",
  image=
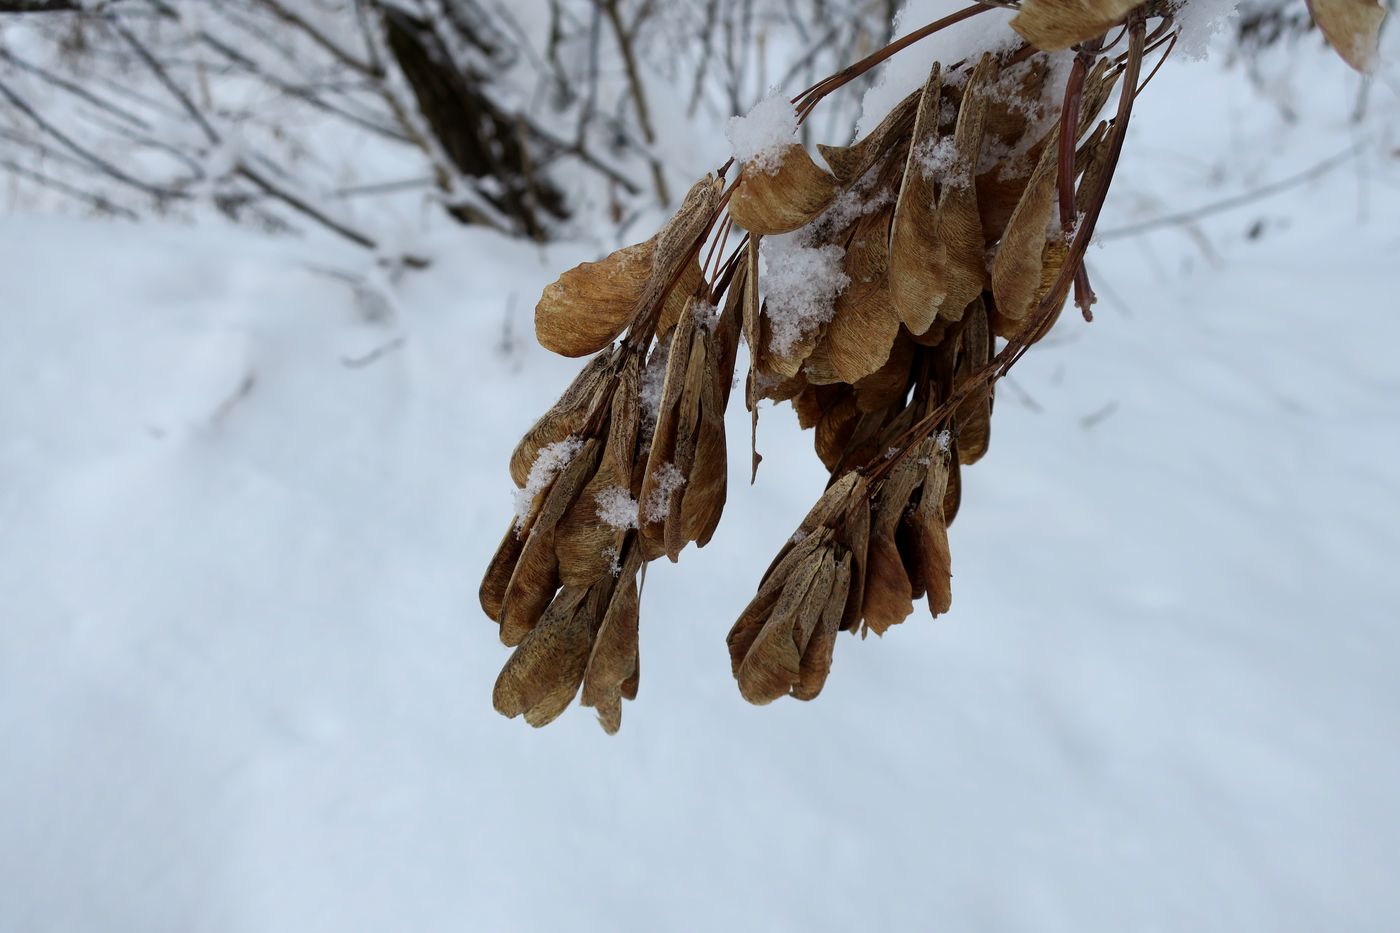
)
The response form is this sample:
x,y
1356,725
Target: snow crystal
x,y
1040,112
802,284
617,508
549,463
907,72
943,441
706,315
802,280
937,157
850,205
759,138
798,536
614,561
668,480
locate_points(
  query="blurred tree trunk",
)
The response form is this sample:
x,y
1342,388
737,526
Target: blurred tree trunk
x,y
477,137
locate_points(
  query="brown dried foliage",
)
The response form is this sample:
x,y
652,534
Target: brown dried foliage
x,y
944,220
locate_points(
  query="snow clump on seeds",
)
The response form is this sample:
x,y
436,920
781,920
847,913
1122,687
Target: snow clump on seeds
x,y
617,508
759,138
549,463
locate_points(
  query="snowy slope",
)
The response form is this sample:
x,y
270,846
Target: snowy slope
x,y
245,686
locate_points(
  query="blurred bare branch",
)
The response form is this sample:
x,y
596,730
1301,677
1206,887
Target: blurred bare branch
x,y
343,114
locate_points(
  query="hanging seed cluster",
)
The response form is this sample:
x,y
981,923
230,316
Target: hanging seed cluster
x,y
881,291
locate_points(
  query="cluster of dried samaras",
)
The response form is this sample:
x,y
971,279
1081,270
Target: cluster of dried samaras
x,y
959,220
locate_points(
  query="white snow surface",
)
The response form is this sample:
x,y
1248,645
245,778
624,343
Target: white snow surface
x,y
760,137
617,508
801,283
669,478
245,685
552,460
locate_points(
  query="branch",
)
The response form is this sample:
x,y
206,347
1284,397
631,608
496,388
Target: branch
x,y
95,201
49,6
639,99
73,88
166,81
78,150
293,19
302,206
1239,200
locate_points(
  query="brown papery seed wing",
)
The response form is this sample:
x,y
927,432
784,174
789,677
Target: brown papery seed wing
x,y
663,441
827,513
834,430
582,539
790,196
620,454
958,228
707,488
752,314
1016,268
729,330
614,659
498,573
893,497
676,271
773,662
889,597
1091,161
1052,25
566,417
1352,27
1015,99
855,536
815,603
915,271
536,574
755,615
931,535
952,499
680,296
974,416
687,443
816,659
586,308
676,240
544,672
889,383
865,323
850,163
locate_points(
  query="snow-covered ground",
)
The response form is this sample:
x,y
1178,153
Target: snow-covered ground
x,y
245,684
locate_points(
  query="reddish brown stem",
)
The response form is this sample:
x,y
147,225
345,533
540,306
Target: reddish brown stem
x,y
1069,139
1084,297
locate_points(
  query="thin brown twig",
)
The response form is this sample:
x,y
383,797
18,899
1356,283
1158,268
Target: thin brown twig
x,y
725,226
300,23
638,94
86,155
46,6
810,97
163,76
1171,44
